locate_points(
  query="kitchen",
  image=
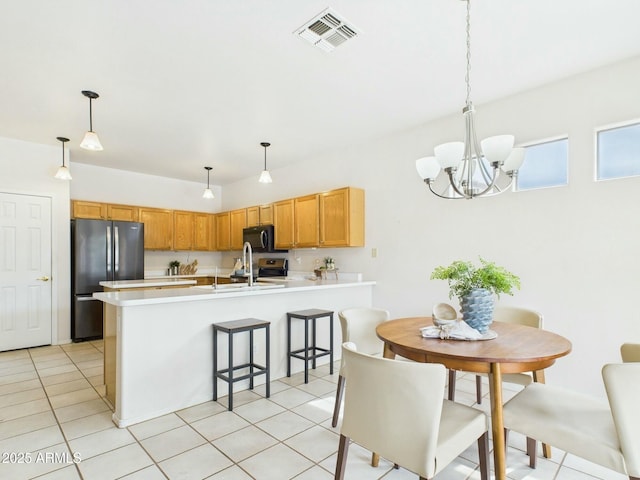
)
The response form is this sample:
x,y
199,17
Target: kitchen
x,y
581,236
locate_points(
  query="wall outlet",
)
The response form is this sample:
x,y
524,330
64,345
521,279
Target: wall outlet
x,y
374,253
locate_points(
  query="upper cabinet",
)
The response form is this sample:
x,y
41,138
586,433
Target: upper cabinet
x,y
262,215
283,224
306,221
223,231
191,230
127,213
237,222
103,211
158,228
342,218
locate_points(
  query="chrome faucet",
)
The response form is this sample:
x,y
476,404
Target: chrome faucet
x,y
245,248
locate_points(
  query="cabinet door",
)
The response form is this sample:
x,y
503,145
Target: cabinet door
x,y
201,231
125,213
253,216
93,210
342,218
266,214
182,230
307,221
238,220
283,224
158,228
223,231
212,233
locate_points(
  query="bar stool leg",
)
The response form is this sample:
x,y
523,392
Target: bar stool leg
x,y
313,345
215,364
268,363
331,344
230,335
306,351
288,345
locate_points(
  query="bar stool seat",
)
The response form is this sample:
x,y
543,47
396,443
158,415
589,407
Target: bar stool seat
x,y
309,352
227,374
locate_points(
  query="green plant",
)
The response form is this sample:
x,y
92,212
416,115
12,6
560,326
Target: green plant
x,y
464,277
174,263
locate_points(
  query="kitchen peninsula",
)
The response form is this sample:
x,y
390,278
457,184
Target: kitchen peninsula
x,y
158,343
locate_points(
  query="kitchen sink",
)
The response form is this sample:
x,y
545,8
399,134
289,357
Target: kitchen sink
x,y
226,287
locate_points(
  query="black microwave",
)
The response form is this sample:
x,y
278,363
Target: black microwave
x,y
261,238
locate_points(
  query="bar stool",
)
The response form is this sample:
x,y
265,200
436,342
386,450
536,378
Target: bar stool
x,y
309,352
227,374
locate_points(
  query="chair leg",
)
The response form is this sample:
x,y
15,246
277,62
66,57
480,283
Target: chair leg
x,y
532,448
478,389
452,385
336,407
375,459
341,463
483,453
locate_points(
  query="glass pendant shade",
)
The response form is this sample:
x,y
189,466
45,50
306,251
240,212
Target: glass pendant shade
x,y
449,154
91,142
208,193
514,161
428,167
497,149
265,177
63,173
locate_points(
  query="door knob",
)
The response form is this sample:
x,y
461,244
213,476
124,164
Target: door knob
x,y
44,279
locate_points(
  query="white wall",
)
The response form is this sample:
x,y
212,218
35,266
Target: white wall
x,y
30,170
575,247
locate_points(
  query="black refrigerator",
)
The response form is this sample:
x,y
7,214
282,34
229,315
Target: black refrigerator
x,y
101,250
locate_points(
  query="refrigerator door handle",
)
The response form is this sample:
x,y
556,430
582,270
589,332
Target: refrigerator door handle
x,y
109,251
86,299
116,255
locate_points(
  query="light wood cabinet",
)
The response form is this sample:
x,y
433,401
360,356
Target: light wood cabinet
x,y
190,230
237,222
306,221
223,231
342,218
158,228
253,216
201,231
91,210
212,232
283,224
126,213
260,215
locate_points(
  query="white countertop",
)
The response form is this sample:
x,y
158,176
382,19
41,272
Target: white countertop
x,y
148,283
171,295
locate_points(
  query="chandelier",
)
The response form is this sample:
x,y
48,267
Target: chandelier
x,y
471,169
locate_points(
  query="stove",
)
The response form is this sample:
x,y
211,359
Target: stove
x,y
272,267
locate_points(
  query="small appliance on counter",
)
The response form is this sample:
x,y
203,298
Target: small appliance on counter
x,y
272,267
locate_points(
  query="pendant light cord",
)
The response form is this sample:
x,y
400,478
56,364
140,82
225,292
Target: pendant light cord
x,y
467,77
265,157
90,116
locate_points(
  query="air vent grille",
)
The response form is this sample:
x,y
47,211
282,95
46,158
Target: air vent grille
x,y
327,30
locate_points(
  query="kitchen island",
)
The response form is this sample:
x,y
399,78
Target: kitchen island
x,y
161,347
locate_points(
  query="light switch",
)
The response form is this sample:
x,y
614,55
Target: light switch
x,y
374,252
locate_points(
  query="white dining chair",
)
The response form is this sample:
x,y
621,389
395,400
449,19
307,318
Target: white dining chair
x,y
630,352
397,409
358,326
607,434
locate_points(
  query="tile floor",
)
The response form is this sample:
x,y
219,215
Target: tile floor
x,y
55,425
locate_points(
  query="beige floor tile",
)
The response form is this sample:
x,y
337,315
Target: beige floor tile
x,y
21,397
276,386
317,387
14,355
47,372
291,398
8,362
359,465
41,462
87,425
239,398
317,410
218,425
66,473
65,387
293,380
200,462
285,425
15,369
155,426
33,440
74,347
20,386
73,397
57,362
244,443
62,378
89,364
46,350
232,473
172,443
582,465
116,463
101,442
92,372
148,473
19,377
201,411
319,473
11,428
259,410
316,443
96,380
79,410
24,409
276,463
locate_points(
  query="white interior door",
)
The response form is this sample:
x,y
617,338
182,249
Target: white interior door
x,y
25,271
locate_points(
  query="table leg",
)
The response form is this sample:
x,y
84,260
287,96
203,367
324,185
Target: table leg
x,y
538,376
497,421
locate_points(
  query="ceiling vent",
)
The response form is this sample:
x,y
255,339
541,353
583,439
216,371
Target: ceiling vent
x,y
327,30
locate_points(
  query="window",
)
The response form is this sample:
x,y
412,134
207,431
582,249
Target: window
x,y
545,165
619,152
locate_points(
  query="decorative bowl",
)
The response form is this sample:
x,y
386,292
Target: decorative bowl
x,y
444,314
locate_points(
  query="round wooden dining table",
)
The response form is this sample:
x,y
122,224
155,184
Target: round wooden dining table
x,y
517,348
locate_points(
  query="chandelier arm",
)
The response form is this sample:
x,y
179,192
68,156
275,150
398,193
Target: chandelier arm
x,y
450,172
430,184
490,185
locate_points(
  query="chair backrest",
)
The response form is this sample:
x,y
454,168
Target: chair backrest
x,y
359,327
385,400
622,382
630,352
521,316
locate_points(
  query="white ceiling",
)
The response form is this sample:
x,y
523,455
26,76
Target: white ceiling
x,y
189,83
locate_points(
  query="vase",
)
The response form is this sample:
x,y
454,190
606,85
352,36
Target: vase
x,y
477,309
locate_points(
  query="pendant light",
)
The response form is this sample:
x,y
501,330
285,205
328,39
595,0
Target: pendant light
x,y
91,140
208,193
63,172
265,176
